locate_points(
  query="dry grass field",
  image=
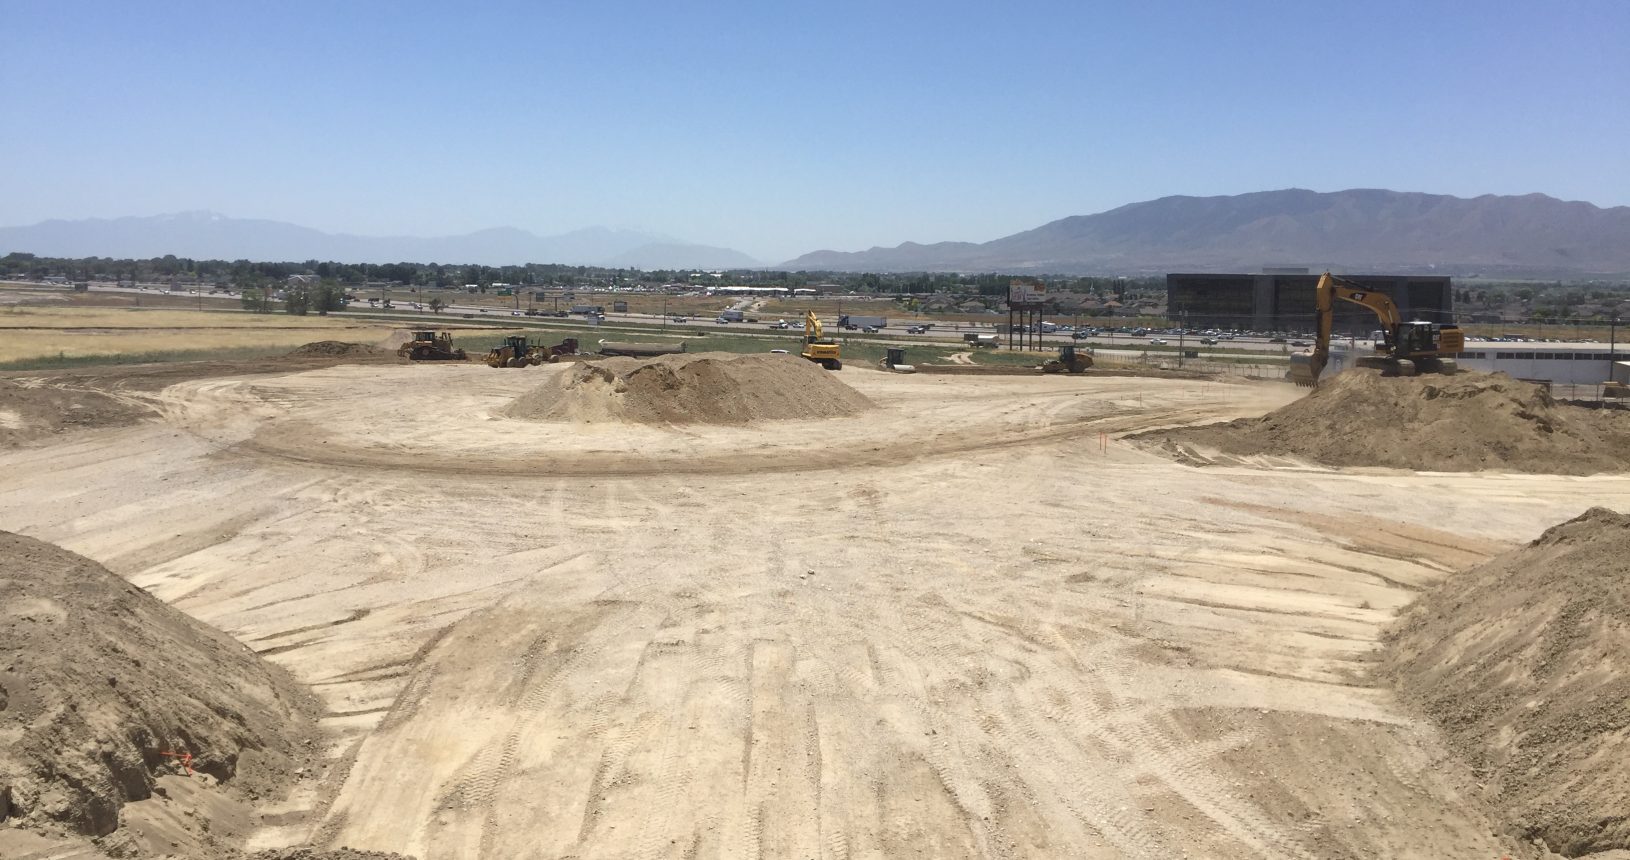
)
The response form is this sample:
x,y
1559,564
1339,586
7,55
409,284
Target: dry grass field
x,y
74,332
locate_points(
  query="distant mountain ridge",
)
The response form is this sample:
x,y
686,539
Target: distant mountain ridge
x,y
209,235
1368,229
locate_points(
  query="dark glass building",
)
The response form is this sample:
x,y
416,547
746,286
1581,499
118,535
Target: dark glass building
x,y
1284,302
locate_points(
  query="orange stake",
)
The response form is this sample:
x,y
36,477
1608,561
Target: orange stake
x,y
186,760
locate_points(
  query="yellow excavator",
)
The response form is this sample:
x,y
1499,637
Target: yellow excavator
x,y
821,350
1407,348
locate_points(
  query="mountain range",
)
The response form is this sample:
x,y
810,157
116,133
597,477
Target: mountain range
x,y
1361,229
208,235
1356,230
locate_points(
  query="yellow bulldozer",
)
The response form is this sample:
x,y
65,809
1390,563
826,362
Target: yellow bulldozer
x,y
1406,348
430,346
817,348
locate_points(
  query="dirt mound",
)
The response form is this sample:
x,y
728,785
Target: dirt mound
x,y
103,688
1525,664
1466,422
331,347
699,388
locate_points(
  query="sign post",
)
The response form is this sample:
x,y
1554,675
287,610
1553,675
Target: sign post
x,y
1024,301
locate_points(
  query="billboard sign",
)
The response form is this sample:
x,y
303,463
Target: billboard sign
x,y
1026,293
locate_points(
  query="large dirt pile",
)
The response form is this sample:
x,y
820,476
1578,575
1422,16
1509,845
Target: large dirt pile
x,y
697,388
1525,664
100,682
1465,422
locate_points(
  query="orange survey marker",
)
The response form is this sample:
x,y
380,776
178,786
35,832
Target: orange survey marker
x,y
186,760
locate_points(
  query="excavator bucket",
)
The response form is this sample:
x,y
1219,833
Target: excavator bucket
x,y
1301,369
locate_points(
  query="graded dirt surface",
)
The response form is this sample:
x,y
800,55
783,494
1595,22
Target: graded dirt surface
x,y
692,388
1461,423
40,406
972,621
1525,662
103,687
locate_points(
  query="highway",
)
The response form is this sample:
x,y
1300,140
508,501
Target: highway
x,y
942,333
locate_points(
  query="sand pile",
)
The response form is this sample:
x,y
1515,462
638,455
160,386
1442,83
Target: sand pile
x,y
1465,422
99,680
1525,664
698,388
323,348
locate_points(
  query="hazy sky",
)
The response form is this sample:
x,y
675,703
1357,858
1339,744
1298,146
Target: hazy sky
x,y
778,128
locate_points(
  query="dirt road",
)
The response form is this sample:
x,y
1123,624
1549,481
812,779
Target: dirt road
x,y
953,626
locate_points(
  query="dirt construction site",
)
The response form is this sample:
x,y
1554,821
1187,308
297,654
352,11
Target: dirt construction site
x,y
714,606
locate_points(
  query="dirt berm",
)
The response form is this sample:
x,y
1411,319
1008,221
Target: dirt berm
x,y
1463,423
1525,664
331,347
100,683
699,388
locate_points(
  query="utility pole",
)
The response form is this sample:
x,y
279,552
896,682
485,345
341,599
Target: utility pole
x,y
1182,332
1612,343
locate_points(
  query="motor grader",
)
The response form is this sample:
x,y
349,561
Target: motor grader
x,y
430,346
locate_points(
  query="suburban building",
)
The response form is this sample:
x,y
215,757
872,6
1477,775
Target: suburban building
x,y
1580,364
1279,301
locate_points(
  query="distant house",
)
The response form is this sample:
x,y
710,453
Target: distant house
x,y
301,280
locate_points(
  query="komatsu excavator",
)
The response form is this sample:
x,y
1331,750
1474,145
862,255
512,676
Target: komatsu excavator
x,y
821,350
1405,350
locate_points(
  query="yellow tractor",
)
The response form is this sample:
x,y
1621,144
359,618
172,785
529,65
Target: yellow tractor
x,y
1070,360
821,350
1406,348
517,352
431,346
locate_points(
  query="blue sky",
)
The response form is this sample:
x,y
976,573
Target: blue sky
x,y
780,128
